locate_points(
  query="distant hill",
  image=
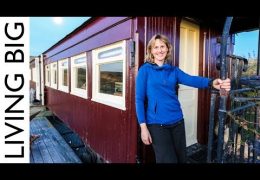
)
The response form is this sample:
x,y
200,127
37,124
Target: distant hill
x,y
251,68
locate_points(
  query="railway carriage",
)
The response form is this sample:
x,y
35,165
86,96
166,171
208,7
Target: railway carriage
x,y
87,79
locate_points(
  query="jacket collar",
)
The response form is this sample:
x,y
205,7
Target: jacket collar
x,y
155,66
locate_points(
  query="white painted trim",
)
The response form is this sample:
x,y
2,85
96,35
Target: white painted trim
x,y
189,63
74,90
42,79
34,74
54,67
48,70
37,78
62,67
107,99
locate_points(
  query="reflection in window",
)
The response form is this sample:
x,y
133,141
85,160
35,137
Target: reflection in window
x,y
109,72
80,60
110,53
111,78
81,77
48,76
64,64
54,73
55,76
65,75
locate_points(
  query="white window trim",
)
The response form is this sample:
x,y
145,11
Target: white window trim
x,y
30,77
61,87
74,90
34,74
54,85
107,99
47,68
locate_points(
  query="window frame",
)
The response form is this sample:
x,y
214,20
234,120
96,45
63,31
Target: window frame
x,y
34,74
74,90
54,85
47,70
30,77
61,67
107,99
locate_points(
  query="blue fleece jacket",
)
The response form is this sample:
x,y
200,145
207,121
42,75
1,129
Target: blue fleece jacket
x,y
158,84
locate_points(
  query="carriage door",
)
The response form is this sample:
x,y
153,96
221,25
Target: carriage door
x,y
189,63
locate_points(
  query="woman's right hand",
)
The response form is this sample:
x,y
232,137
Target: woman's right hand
x,y
145,134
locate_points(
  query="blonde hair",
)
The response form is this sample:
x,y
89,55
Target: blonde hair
x,y
149,57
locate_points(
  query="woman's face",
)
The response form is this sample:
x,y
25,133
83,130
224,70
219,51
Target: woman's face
x,y
159,51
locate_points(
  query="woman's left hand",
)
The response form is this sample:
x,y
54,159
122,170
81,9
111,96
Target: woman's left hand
x,y
223,84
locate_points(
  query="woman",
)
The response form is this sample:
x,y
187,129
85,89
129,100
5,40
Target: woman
x,y
161,118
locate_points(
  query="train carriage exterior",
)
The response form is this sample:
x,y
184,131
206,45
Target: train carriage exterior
x,y
88,79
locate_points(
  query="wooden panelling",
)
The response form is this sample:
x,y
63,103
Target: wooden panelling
x,y
168,26
104,128
212,50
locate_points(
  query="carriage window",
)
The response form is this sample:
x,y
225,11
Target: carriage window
x,y
47,75
109,75
63,75
53,75
79,75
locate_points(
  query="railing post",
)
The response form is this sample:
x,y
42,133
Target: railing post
x,y
223,93
211,124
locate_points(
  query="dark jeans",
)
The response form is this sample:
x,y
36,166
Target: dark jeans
x,y
169,142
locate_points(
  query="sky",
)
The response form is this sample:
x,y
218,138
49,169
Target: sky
x,y
47,31
246,42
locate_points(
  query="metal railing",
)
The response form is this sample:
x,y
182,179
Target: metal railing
x,y
239,141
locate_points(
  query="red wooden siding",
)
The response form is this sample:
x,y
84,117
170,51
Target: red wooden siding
x,y
103,128
111,132
168,26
